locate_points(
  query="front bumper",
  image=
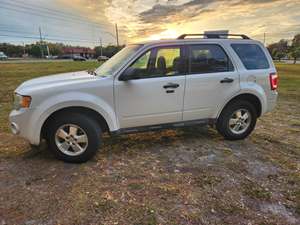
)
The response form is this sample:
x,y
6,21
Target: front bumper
x,y
20,124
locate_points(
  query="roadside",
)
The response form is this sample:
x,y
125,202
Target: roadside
x,y
33,60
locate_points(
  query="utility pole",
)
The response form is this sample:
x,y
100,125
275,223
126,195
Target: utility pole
x,y
48,52
100,46
24,51
117,35
41,42
265,39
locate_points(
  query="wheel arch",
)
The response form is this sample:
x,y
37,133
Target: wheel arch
x,y
71,101
75,109
250,97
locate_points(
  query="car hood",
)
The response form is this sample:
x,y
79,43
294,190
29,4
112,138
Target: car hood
x,y
55,81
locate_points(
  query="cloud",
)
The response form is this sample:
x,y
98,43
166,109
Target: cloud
x,y
174,12
139,19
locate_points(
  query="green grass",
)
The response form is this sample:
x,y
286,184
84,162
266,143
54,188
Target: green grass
x,y
12,75
289,80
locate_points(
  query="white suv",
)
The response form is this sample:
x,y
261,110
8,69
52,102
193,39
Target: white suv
x,y
217,80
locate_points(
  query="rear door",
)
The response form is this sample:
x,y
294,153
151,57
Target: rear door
x,y
210,81
155,94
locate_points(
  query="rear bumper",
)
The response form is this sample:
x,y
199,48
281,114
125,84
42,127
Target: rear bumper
x,y
272,101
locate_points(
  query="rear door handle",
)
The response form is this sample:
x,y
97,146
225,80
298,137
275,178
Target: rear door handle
x,y
171,85
227,80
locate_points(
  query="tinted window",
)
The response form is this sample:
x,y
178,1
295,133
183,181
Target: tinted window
x,y
208,59
166,59
115,62
142,62
157,62
251,55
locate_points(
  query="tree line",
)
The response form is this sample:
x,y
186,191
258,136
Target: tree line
x,y
285,49
55,49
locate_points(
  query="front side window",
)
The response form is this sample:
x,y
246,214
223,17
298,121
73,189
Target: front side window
x,y
166,59
251,55
208,58
114,63
142,62
158,62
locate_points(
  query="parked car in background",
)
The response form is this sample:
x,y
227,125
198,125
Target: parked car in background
x,y
224,82
51,57
65,57
79,58
3,56
102,58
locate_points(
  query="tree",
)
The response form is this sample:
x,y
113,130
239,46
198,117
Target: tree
x,y
55,48
108,51
12,50
279,50
296,40
295,53
34,50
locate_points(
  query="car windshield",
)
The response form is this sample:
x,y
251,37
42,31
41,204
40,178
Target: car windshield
x,y
113,64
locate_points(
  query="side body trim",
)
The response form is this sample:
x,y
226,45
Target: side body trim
x,y
164,126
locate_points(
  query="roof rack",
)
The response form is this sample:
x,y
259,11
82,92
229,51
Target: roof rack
x,y
220,36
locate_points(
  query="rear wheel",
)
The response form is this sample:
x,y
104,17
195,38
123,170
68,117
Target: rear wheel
x,y
237,120
74,137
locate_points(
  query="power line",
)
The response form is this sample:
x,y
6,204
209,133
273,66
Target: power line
x,y
45,35
18,32
59,15
56,18
18,3
61,19
40,11
46,38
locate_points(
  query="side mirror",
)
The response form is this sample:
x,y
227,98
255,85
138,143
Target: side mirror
x,y
129,74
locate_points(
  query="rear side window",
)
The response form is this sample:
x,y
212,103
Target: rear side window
x,y
252,56
208,58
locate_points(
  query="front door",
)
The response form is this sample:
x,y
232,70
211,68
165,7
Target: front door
x,y
154,93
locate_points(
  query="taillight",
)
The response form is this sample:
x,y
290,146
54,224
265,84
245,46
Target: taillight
x,y
273,81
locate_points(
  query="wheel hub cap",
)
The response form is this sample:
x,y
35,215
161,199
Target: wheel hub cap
x,y
71,139
239,121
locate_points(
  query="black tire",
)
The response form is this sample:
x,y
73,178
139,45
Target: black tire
x,y
223,120
88,125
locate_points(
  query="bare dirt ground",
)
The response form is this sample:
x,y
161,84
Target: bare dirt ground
x,y
184,176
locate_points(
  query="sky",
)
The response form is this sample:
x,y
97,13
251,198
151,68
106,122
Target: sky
x,y
89,22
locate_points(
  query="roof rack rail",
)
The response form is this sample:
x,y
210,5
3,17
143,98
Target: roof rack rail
x,y
243,36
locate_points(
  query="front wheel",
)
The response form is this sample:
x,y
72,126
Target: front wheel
x,y
74,137
237,120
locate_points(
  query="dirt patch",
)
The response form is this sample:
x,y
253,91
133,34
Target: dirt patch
x,y
183,176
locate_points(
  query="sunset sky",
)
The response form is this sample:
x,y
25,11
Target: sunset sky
x,y
83,22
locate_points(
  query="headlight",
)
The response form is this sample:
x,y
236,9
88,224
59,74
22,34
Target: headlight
x,y
21,101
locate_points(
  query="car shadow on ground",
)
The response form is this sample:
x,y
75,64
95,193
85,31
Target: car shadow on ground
x,y
115,145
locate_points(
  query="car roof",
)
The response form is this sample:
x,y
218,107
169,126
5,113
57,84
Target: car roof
x,y
197,40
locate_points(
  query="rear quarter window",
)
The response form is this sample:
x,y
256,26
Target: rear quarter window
x,y
252,56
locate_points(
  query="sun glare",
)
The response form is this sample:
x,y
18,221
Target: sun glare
x,y
168,34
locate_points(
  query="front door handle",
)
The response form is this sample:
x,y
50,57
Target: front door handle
x,y
171,85
227,80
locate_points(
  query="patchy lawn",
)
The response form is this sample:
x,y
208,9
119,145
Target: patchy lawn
x,y
183,176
